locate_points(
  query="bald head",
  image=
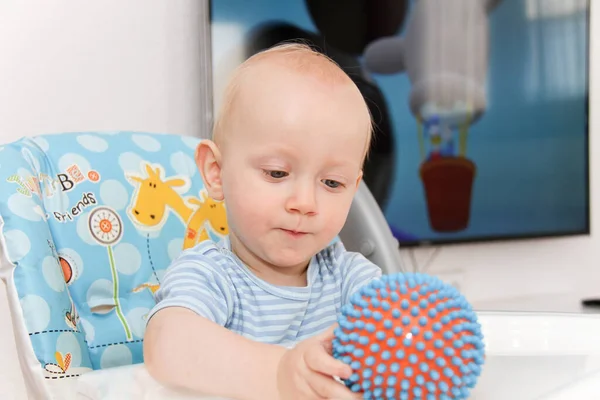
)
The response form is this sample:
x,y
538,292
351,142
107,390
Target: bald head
x,y
294,74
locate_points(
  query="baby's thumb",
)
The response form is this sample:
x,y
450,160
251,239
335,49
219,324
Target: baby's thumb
x,y
326,337
328,334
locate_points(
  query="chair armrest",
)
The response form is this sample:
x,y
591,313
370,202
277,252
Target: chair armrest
x,y
366,231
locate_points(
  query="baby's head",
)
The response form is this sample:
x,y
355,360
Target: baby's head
x,y
287,154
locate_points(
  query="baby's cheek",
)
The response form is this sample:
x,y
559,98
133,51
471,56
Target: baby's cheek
x,y
250,213
341,214
334,222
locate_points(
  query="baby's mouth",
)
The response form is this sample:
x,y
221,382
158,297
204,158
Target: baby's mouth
x,y
293,233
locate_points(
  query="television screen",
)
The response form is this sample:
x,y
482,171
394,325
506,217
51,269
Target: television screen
x,y
480,107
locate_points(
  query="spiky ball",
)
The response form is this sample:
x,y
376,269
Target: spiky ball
x,y
410,336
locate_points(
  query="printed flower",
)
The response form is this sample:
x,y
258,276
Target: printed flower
x,y
105,226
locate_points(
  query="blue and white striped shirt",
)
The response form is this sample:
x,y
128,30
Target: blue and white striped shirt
x,y
212,281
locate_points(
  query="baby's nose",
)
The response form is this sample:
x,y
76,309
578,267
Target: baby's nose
x,y
303,201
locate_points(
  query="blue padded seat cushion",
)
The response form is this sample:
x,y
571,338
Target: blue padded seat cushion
x,y
91,221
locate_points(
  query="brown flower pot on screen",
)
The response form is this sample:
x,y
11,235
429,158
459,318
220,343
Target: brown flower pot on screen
x,y
448,184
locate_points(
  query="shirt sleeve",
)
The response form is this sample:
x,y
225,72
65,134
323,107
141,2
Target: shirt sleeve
x,y
197,281
356,272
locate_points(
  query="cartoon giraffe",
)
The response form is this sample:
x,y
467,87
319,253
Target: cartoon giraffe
x,y
154,195
152,287
208,210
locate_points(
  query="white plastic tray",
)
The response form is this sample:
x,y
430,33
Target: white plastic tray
x,y
528,356
540,356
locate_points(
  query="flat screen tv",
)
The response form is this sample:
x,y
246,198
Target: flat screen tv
x,y
481,107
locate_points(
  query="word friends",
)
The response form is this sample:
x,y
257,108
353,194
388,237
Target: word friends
x,y
87,200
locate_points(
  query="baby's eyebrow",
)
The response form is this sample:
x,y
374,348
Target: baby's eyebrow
x,y
337,163
276,151
272,158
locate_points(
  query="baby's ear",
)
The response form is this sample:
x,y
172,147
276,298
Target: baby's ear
x,y
208,160
358,180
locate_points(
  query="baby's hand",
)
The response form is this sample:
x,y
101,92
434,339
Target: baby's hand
x,y
306,372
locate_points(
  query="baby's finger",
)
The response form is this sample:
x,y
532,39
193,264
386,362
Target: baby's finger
x,y
318,360
328,388
326,338
328,334
306,391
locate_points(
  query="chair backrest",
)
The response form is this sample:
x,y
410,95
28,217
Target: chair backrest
x,y
90,221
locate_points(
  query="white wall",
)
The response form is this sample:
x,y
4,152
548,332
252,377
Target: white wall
x,y
101,65
96,65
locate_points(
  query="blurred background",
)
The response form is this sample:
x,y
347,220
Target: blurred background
x,y
482,149
481,106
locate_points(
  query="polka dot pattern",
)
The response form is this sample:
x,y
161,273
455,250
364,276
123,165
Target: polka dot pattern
x,y
31,160
36,312
70,159
137,319
127,258
41,143
83,230
52,272
175,247
92,143
18,244
25,207
190,141
88,328
100,293
130,162
114,194
146,143
84,299
116,356
183,164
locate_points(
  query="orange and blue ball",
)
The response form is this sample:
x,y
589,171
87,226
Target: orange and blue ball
x,y
410,336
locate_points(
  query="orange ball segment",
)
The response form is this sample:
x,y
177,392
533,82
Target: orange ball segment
x,y
410,336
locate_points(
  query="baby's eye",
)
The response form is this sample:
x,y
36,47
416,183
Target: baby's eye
x,y
331,183
277,174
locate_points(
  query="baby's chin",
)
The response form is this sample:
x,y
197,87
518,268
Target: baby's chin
x,y
289,258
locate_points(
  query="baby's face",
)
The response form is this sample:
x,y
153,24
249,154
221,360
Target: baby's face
x,y
292,164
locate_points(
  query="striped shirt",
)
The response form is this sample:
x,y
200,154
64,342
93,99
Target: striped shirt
x,y
212,281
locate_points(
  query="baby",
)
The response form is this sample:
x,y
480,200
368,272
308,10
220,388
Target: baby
x,y
252,317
